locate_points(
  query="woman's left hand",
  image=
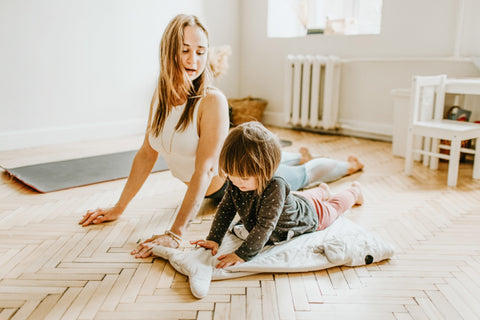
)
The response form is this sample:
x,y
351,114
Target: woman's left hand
x,y
144,249
228,260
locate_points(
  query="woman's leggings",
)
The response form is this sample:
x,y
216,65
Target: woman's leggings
x,y
314,171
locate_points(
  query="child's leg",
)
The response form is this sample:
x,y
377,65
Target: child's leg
x,y
329,210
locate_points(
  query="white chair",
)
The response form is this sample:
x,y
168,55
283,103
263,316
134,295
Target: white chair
x,y
426,127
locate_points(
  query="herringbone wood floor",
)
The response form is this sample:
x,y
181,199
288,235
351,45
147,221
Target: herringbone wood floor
x,y
51,268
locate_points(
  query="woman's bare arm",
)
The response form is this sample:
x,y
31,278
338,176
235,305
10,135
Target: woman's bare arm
x,y
141,167
213,129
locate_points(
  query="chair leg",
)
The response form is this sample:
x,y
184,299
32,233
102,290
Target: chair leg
x,y
426,147
434,160
476,160
454,162
409,153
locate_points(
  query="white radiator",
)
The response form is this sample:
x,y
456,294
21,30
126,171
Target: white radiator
x,y
312,89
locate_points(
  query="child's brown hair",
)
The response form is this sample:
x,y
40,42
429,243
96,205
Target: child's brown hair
x,y
251,150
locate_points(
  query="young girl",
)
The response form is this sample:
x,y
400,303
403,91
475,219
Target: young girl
x,y
267,208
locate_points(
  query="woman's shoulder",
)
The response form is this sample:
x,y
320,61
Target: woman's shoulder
x,y
214,101
214,96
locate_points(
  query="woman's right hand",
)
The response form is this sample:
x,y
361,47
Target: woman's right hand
x,y
100,215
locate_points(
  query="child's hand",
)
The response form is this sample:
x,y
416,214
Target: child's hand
x,y
228,260
207,244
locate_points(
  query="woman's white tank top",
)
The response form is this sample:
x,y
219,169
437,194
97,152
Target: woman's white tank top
x,y
178,148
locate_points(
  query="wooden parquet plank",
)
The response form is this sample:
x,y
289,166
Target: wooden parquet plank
x,y
12,303
311,288
7,313
298,292
146,315
133,288
44,307
166,279
326,287
238,310
154,275
351,277
204,315
97,299
428,308
111,301
78,305
456,300
286,309
443,305
26,310
467,292
254,302
9,267
416,312
63,303
337,277
162,306
270,310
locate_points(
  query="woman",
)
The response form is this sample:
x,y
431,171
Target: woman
x,y
188,124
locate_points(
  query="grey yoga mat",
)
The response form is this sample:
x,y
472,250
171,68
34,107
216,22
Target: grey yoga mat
x,y
53,176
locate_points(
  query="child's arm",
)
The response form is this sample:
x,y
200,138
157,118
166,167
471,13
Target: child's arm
x,y
227,260
271,208
223,218
207,244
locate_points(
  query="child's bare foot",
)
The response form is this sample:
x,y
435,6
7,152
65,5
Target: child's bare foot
x,y
305,155
326,188
358,190
354,164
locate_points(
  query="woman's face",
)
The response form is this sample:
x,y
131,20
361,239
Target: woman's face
x,y
194,51
244,184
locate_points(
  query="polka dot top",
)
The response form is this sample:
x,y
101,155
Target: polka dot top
x,y
268,216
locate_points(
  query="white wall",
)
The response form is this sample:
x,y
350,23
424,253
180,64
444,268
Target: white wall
x,y
417,37
86,69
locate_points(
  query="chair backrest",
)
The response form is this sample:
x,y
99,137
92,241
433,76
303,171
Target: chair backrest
x,y
428,98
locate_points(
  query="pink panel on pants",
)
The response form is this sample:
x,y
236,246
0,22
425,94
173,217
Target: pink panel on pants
x,y
329,210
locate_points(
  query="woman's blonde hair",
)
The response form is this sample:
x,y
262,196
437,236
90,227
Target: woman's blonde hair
x,y
173,82
251,150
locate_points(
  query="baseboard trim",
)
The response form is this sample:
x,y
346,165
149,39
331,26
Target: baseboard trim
x,y
362,129
55,135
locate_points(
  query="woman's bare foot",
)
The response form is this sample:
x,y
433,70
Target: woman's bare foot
x,y
326,188
305,155
358,190
354,164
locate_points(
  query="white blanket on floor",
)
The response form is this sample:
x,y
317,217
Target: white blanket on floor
x,y
343,243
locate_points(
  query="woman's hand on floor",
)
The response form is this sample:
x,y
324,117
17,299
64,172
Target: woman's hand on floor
x,y
144,249
100,215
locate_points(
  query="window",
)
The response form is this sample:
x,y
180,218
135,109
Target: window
x,y
298,18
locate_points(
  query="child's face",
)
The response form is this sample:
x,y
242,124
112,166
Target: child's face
x,y
244,184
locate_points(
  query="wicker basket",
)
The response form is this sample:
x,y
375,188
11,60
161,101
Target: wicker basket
x,y
247,109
